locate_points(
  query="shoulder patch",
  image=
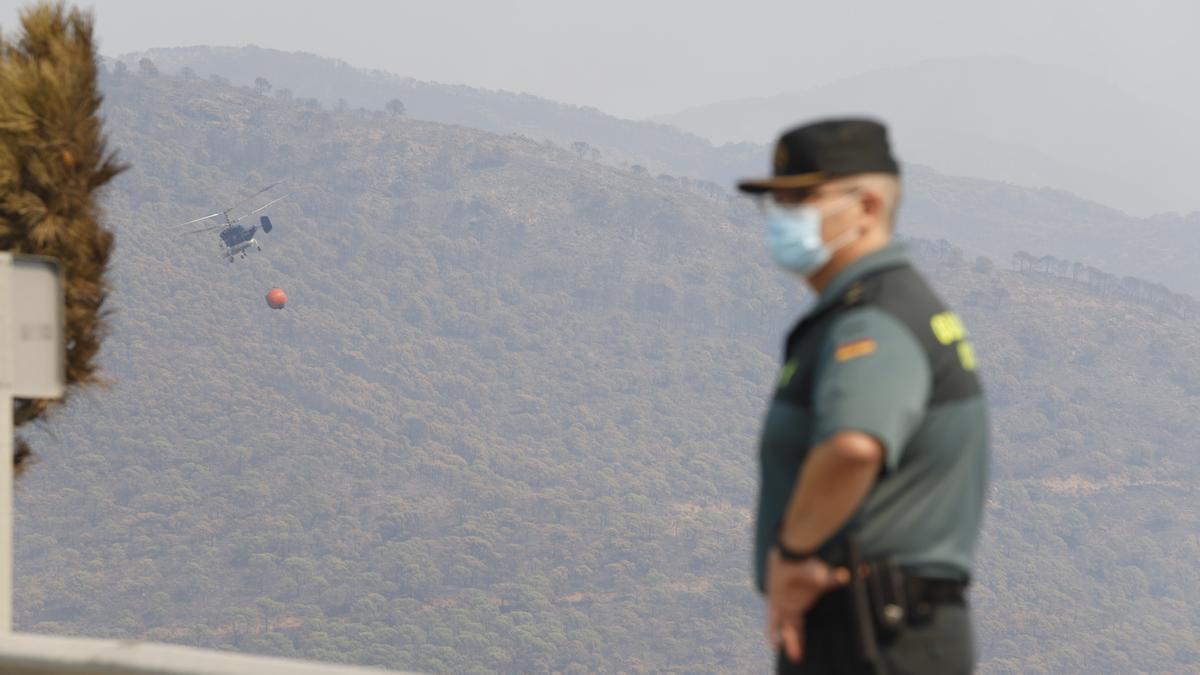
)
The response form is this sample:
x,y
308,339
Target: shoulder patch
x,y
854,349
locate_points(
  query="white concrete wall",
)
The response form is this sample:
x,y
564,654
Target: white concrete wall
x,y
46,655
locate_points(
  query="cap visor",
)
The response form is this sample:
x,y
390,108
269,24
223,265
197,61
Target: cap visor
x,y
801,180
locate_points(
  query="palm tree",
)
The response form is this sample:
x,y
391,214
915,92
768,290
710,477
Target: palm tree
x,y
57,161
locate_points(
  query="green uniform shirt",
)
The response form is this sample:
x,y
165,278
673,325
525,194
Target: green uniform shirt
x,y
882,355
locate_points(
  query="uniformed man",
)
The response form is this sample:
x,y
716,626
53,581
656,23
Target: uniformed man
x,y
874,451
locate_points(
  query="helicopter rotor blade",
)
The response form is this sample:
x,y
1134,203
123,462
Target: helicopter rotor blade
x,y
213,215
226,212
246,199
264,206
210,228
268,204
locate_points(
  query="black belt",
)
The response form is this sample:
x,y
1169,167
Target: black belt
x,y
835,608
936,591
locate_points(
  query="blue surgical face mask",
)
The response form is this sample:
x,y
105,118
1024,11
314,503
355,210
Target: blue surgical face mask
x,y
794,237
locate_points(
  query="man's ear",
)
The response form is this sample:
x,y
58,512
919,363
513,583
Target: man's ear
x,y
872,203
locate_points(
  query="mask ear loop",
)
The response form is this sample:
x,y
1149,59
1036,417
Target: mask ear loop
x,y
836,244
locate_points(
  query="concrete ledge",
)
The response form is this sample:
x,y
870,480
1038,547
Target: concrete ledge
x,y
47,655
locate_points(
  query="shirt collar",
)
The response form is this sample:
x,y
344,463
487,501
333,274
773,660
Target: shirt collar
x,y
891,255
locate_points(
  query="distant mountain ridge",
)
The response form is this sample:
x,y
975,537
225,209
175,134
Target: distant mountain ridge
x,y
661,148
984,216
1000,118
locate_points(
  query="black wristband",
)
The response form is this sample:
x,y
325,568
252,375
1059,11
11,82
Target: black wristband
x,y
791,555
788,554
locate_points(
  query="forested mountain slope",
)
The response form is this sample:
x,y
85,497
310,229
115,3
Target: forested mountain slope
x,y
990,217
507,420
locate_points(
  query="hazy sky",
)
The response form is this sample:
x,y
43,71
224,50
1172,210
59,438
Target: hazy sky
x,y
636,58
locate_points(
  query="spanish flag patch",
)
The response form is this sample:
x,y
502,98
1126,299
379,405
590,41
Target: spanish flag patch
x,y
854,349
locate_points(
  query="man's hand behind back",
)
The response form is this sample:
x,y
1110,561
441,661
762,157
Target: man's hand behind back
x,y
792,590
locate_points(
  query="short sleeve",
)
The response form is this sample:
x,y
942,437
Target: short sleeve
x,y
872,377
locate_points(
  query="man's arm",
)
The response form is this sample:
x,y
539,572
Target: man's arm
x,y
869,396
833,482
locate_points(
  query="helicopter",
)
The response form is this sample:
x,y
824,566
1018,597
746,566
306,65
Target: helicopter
x,y
236,238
